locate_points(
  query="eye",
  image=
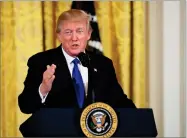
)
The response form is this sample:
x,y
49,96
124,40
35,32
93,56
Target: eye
x,y
79,30
68,32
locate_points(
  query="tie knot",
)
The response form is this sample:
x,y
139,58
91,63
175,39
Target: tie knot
x,y
76,61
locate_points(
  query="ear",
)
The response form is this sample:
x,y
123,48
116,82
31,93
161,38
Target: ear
x,y
89,34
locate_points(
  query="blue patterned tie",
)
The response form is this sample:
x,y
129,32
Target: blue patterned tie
x,y
78,83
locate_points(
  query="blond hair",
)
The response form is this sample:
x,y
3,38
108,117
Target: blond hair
x,y
73,15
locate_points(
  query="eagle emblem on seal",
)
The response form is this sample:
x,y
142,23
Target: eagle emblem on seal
x,y
98,119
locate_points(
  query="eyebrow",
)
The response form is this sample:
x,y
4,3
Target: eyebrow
x,y
79,28
76,29
67,30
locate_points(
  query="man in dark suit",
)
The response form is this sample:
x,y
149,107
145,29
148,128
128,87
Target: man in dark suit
x,y
57,77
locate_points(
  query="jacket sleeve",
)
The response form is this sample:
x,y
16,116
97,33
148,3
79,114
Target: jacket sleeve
x,y
29,100
117,95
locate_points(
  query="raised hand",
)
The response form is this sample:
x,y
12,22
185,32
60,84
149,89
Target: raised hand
x,y
48,78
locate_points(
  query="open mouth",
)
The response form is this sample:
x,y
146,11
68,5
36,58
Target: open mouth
x,y
75,45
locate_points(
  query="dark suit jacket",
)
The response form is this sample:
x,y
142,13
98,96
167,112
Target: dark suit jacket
x,y
62,94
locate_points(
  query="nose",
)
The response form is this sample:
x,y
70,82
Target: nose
x,y
74,36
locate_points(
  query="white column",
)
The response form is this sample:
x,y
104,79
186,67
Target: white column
x,y
155,63
171,68
183,67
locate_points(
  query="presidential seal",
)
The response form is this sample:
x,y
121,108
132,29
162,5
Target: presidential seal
x,y
98,120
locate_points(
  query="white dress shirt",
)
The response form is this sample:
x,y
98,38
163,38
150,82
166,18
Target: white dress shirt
x,y
83,70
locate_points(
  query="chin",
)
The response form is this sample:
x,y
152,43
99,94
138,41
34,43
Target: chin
x,y
75,52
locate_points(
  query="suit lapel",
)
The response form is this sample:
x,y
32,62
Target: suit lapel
x,y
63,80
61,64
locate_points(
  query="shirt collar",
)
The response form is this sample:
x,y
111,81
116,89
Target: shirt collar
x,y
69,58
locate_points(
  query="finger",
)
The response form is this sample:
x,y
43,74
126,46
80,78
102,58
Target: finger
x,y
48,66
52,79
47,74
50,70
47,77
53,66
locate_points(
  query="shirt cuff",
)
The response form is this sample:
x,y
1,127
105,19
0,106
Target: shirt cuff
x,y
41,96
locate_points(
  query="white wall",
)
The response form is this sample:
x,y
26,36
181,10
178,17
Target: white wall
x,y
166,66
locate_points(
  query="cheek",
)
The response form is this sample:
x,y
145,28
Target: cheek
x,y
84,39
66,40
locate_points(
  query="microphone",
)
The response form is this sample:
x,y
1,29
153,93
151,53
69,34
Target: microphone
x,y
85,60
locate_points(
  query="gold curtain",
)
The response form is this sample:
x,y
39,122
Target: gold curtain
x,y
26,28
29,27
121,26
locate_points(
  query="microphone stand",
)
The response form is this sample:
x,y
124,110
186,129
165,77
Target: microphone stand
x,y
91,71
86,62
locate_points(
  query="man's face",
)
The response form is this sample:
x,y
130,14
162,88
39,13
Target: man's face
x,y
74,36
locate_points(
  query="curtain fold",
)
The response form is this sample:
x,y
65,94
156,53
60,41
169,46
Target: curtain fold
x,y
104,23
139,57
48,24
8,71
122,17
121,25
28,41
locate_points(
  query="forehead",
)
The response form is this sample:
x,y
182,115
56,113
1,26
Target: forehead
x,y
73,24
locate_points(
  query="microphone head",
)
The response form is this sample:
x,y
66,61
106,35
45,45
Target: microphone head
x,y
84,58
